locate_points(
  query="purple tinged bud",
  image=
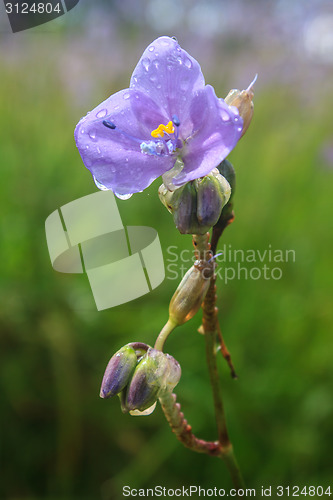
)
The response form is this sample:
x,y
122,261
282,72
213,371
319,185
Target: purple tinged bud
x,y
213,192
118,371
174,373
154,373
197,205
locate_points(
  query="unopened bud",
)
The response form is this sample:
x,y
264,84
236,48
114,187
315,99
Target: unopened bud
x,y
213,193
191,292
154,373
243,101
197,205
120,369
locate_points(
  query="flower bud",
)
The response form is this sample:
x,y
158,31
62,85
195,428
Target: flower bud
x,y
120,369
154,373
242,100
213,192
191,292
197,205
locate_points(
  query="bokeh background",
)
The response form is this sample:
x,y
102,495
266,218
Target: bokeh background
x,y
59,440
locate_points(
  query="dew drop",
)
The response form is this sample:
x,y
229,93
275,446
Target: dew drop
x,y
92,136
188,63
82,130
145,63
158,86
127,95
180,60
153,78
123,196
102,113
224,115
116,107
98,150
99,184
151,48
87,147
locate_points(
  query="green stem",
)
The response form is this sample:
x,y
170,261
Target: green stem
x,y
164,334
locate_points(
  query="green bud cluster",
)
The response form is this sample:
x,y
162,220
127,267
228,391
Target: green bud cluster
x,y
139,373
197,205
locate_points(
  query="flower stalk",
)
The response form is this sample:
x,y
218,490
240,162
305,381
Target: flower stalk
x,y
221,448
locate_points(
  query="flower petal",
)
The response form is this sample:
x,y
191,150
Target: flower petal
x,y
169,75
216,129
114,156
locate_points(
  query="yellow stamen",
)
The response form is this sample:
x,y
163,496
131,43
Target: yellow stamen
x,y
159,131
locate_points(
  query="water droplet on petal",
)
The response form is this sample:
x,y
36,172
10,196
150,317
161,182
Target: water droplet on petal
x,y
145,63
99,184
82,130
224,115
123,196
98,150
180,60
102,113
158,86
188,63
116,107
153,78
151,48
127,95
92,135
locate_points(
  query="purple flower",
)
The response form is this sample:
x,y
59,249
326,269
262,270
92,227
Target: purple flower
x,y
167,114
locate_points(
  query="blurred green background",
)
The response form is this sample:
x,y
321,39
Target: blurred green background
x,y
59,440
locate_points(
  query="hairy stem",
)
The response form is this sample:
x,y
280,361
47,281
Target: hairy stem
x,y
210,325
182,429
172,410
